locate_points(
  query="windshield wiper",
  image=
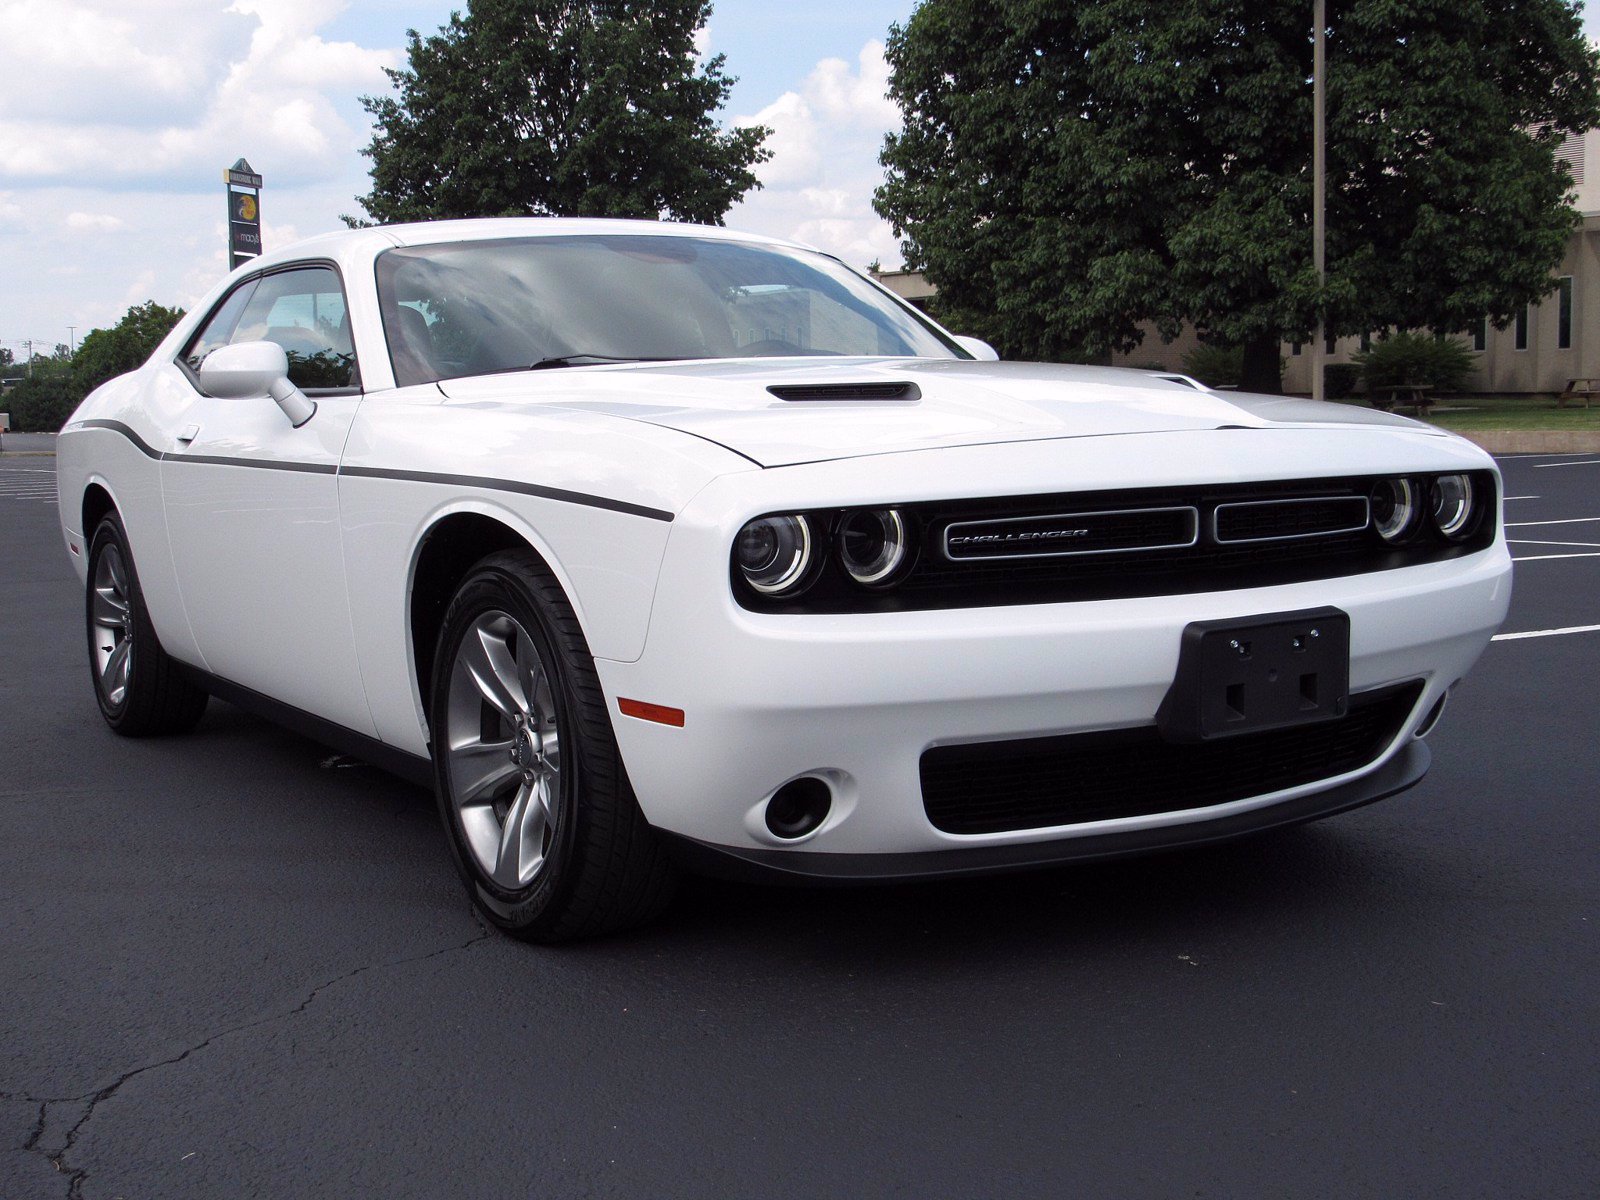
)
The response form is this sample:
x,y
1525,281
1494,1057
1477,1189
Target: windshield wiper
x,y
582,360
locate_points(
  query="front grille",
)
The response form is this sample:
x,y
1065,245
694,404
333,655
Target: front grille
x,y
1261,534
1000,787
1279,520
1064,534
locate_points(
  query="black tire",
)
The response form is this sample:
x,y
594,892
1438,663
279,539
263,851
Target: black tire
x,y
151,695
601,868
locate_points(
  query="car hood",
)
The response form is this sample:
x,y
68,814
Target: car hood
x,y
958,403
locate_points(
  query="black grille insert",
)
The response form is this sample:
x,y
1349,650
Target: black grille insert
x,y
1000,787
1279,520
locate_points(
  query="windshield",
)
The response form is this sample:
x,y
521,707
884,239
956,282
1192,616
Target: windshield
x,y
471,308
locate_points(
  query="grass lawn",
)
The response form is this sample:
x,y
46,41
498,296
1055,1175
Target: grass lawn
x,y
1508,412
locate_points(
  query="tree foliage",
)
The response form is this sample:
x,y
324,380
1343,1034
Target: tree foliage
x,y
559,107
53,385
106,353
1069,170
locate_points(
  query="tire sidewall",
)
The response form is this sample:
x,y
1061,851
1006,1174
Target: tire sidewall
x,y
491,589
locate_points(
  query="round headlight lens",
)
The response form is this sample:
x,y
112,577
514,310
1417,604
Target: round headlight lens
x,y
1394,508
1451,500
873,545
773,553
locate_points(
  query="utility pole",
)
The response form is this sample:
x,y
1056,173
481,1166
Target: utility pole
x,y
1319,183
28,342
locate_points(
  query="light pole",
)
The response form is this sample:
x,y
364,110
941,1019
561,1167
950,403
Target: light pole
x,y
1319,183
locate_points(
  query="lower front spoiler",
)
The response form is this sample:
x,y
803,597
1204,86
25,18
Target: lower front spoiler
x,y
809,867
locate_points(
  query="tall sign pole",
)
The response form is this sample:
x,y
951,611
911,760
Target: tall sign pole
x,y
1319,185
244,213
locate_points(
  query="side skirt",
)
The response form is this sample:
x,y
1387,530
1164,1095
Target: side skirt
x,y
411,767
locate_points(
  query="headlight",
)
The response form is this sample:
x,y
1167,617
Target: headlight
x,y
774,553
1394,508
1451,502
872,545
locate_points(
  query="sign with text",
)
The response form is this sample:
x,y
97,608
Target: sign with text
x,y
243,187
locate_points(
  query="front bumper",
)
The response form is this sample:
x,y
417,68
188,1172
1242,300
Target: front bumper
x,y
856,699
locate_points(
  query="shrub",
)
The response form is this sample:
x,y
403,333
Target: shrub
x,y
1340,379
41,404
1416,358
1215,366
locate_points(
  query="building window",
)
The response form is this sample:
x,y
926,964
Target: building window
x,y
1328,344
1522,328
1294,349
1366,340
1564,313
1480,336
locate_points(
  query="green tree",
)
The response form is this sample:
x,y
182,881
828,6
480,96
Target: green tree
x,y
1069,170
106,353
44,397
559,107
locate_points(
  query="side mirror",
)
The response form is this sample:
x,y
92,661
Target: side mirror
x,y
978,348
254,371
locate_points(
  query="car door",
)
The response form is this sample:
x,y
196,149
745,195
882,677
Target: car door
x,y
252,503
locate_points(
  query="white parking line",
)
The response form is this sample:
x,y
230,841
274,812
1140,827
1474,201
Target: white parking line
x,y
1533,633
1522,497
1562,521
1582,462
1542,557
1563,454
1536,542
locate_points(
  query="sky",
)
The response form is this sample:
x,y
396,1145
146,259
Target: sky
x,y
117,118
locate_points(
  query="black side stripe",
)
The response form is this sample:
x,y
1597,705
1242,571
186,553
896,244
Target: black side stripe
x,y
494,485
140,444
512,485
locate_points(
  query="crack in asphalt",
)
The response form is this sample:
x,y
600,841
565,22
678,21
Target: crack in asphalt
x,y
76,1177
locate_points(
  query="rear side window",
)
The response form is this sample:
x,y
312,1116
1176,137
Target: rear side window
x,y
303,311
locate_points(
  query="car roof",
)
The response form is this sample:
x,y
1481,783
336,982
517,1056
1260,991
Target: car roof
x,y
375,238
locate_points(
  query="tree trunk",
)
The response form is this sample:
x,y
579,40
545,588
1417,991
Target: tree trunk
x,y
1263,366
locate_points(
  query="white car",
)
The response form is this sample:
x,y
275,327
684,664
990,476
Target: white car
x,y
648,544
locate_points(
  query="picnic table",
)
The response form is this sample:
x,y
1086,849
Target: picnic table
x,y
1414,396
1579,389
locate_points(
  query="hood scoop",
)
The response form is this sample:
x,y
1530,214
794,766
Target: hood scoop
x,y
846,391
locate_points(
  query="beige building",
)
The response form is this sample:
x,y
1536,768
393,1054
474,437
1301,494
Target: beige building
x,y
1548,344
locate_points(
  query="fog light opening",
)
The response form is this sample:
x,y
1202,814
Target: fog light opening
x,y
799,807
1432,719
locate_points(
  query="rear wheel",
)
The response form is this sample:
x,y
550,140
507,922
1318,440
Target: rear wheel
x,y
142,691
542,821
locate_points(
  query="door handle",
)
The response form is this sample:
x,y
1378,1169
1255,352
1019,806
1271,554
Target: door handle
x,y
189,434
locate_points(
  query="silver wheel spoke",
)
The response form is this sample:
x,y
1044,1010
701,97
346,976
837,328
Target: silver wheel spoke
x,y
521,838
110,609
488,660
480,769
116,670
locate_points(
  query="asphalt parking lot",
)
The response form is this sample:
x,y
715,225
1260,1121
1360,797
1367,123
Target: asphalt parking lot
x,y
233,965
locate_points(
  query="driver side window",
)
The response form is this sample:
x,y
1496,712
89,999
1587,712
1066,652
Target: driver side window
x,y
303,311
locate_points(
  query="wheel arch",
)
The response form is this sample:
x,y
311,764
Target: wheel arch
x,y
444,556
97,502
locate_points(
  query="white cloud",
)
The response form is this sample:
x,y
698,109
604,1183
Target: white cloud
x,y
817,188
96,222
174,90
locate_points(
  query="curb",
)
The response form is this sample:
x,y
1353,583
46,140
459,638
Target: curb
x,y
1532,441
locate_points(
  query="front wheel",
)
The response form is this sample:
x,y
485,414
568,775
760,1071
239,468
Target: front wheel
x,y
142,691
541,818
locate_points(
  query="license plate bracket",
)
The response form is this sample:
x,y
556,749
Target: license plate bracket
x,y
1274,671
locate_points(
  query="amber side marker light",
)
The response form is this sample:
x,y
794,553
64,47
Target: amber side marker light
x,y
659,713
